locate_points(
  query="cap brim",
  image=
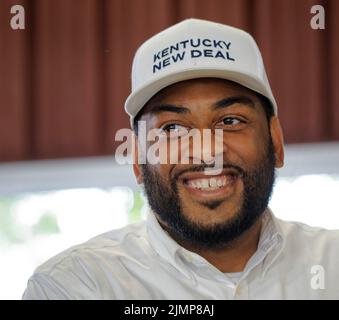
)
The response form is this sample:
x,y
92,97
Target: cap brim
x,y
136,100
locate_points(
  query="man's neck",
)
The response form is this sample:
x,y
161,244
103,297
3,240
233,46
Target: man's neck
x,y
234,256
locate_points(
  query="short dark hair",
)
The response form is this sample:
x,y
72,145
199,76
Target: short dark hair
x,y
265,102
267,105
136,119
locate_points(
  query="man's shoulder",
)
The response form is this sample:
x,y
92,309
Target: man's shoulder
x,y
131,239
85,270
300,234
303,229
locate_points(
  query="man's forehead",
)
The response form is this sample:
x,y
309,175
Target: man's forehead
x,y
207,88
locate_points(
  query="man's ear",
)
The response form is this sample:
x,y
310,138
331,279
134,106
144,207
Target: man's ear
x,y
278,141
136,166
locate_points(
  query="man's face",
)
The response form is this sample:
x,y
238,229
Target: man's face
x,y
208,210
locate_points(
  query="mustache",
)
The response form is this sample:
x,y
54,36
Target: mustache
x,y
201,168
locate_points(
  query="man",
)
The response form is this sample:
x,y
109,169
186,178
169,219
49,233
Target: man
x,y
209,234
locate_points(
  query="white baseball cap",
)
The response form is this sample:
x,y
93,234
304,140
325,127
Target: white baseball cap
x,y
193,49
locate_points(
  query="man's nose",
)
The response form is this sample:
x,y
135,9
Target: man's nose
x,y
206,145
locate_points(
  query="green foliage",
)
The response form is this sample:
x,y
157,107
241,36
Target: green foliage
x,y
47,224
10,231
13,231
134,215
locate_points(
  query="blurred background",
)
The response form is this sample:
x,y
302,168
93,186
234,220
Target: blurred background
x,y
63,82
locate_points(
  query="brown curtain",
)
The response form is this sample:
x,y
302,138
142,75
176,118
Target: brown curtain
x,y
64,78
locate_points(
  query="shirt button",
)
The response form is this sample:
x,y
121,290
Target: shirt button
x,y
237,291
188,258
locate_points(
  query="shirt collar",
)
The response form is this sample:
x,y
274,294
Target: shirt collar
x,y
269,247
270,243
274,240
164,245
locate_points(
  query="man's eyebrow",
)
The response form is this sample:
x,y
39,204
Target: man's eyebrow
x,y
224,103
168,108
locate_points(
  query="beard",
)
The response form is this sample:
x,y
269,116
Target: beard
x,y
164,200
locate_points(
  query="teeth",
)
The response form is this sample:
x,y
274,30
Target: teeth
x,y
213,182
204,183
219,183
209,183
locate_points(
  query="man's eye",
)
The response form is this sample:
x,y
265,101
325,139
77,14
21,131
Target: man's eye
x,y
175,129
229,121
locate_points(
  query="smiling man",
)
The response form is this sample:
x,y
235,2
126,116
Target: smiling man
x,y
203,212
209,234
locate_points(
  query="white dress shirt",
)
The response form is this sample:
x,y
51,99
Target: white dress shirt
x,y
141,261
